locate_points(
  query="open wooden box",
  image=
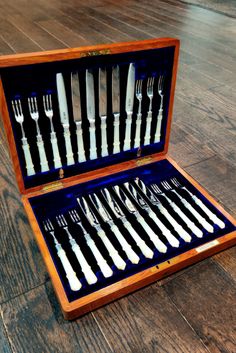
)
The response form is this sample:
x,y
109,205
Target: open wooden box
x,y
48,194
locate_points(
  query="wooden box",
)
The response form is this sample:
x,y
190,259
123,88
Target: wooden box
x,y
50,193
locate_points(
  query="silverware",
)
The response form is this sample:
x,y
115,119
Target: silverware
x,y
198,202
17,109
85,267
33,109
102,264
176,208
154,200
132,256
144,205
47,104
129,103
103,109
187,205
157,137
147,137
119,214
138,93
118,261
64,115
90,100
133,210
74,282
77,114
116,107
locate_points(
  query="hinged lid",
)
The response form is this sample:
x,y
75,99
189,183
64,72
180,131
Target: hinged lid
x,y
30,82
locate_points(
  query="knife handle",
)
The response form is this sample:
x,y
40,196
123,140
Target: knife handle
x,y
93,147
80,142
42,154
28,158
158,129
128,123
104,151
116,143
210,214
138,130
55,150
147,136
69,152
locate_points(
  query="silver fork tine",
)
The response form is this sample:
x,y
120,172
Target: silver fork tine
x,y
175,182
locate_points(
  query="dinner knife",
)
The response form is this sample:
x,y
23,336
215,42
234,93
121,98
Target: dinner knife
x,y
103,109
116,107
76,103
90,100
129,103
64,115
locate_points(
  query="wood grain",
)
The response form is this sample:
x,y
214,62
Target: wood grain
x,y
4,343
206,298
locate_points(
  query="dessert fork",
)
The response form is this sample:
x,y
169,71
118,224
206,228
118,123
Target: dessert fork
x,y
86,269
17,109
176,208
138,93
74,282
186,204
33,109
104,267
47,104
147,137
205,209
157,137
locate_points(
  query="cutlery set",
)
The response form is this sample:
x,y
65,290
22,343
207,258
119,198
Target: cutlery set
x,y
136,89
119,208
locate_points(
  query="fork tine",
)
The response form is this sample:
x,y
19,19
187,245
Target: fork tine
x,y
44,103
175,182
47,100
20,107
35,104
64,220
50,101
14,108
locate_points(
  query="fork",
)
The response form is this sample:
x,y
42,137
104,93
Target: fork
x,y
150,84
160,113
176,208
47,104
138,93
17,109
74,282
102,264
33,109
187,205
86,269
205,209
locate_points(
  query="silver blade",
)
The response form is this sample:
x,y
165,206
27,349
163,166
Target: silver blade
x,y
61,94
90,94
102,92
75,92
129,102
115,89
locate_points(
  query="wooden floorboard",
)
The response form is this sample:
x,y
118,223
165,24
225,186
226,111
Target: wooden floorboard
x,y
192,310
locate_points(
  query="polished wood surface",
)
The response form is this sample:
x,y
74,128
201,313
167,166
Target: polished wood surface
x,y
202,141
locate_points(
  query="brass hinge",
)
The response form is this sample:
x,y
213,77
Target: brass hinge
x,y
143,161
53,186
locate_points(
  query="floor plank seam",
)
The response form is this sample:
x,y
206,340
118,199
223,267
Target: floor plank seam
x,y
221,269
208,9
6,332
198,162
103,334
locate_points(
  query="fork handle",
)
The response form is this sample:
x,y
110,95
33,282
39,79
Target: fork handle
x,y
80,142
158,129
138,130
28,159
42,154
104,151
147,136
69,152
116,143
55,150
128,122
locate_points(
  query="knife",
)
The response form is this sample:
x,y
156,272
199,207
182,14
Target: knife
x,y
64,115
103,109
116,107
90,100
129,103
75,91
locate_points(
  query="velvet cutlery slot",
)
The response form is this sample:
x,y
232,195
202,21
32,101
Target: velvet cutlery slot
x,y
88,131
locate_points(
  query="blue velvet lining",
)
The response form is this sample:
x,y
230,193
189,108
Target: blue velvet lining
x,y
37,80
61,201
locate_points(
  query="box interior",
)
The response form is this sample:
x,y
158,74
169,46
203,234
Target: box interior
x,y
39,79
50,205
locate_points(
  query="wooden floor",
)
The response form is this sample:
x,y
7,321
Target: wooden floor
x,y
193,310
